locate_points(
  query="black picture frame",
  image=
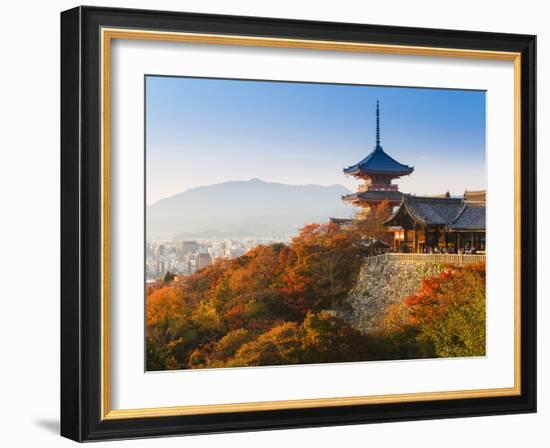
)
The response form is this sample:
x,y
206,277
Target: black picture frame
x,y
81,224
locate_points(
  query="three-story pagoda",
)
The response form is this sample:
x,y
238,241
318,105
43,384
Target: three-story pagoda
x,y
377,171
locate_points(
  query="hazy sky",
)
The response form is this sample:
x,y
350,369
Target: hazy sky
x,y
206,131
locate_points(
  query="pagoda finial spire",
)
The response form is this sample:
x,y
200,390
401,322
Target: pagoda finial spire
x,y
377,124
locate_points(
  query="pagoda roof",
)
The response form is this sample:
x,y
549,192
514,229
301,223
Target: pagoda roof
x,y
374,195
379,162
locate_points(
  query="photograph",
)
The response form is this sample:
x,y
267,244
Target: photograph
x,y
308,223
285,221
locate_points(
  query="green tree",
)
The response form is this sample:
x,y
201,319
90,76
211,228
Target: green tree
x,y
461,330
449,312
328,338
280,345
167,277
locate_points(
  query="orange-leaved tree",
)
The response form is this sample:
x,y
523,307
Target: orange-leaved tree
x,y
448,312
327,261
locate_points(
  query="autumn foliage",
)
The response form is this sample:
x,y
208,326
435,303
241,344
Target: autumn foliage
x,y
267,307
284,304
447,314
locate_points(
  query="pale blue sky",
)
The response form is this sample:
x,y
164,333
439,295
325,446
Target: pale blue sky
x,y
206,131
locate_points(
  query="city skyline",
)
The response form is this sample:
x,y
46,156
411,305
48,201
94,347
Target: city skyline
x,y
304,133
181,256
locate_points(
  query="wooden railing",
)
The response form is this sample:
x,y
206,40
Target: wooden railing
x,y
428,258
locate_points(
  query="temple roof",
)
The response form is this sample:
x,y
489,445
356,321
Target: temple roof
x,y
453,213
341,221
374,195
378,162
429,210
470,217
375,245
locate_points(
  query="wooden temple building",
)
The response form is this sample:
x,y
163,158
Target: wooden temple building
x,y
377,171
439,224
419,224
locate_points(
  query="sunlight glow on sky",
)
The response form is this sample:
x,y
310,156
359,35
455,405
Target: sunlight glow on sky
x,y
207,131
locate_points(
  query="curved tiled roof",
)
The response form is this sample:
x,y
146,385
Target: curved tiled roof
x,y
453,213
378,162
470,217
434,211
374,195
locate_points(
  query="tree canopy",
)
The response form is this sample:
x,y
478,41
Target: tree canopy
x,y
286,304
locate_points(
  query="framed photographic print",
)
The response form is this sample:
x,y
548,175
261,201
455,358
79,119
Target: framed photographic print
x,y
273,223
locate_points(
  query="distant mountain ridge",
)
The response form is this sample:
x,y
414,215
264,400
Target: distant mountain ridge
x,y
244,208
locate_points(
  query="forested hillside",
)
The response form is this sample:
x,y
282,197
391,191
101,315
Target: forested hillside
x,y
290,304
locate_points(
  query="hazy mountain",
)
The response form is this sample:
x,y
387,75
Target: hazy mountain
x,y
242,208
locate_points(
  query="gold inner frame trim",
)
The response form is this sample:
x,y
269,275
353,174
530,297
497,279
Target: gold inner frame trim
x,y
107,35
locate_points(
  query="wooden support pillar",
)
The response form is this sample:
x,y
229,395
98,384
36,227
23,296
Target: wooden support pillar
x,y
415,240
426,237
458,241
